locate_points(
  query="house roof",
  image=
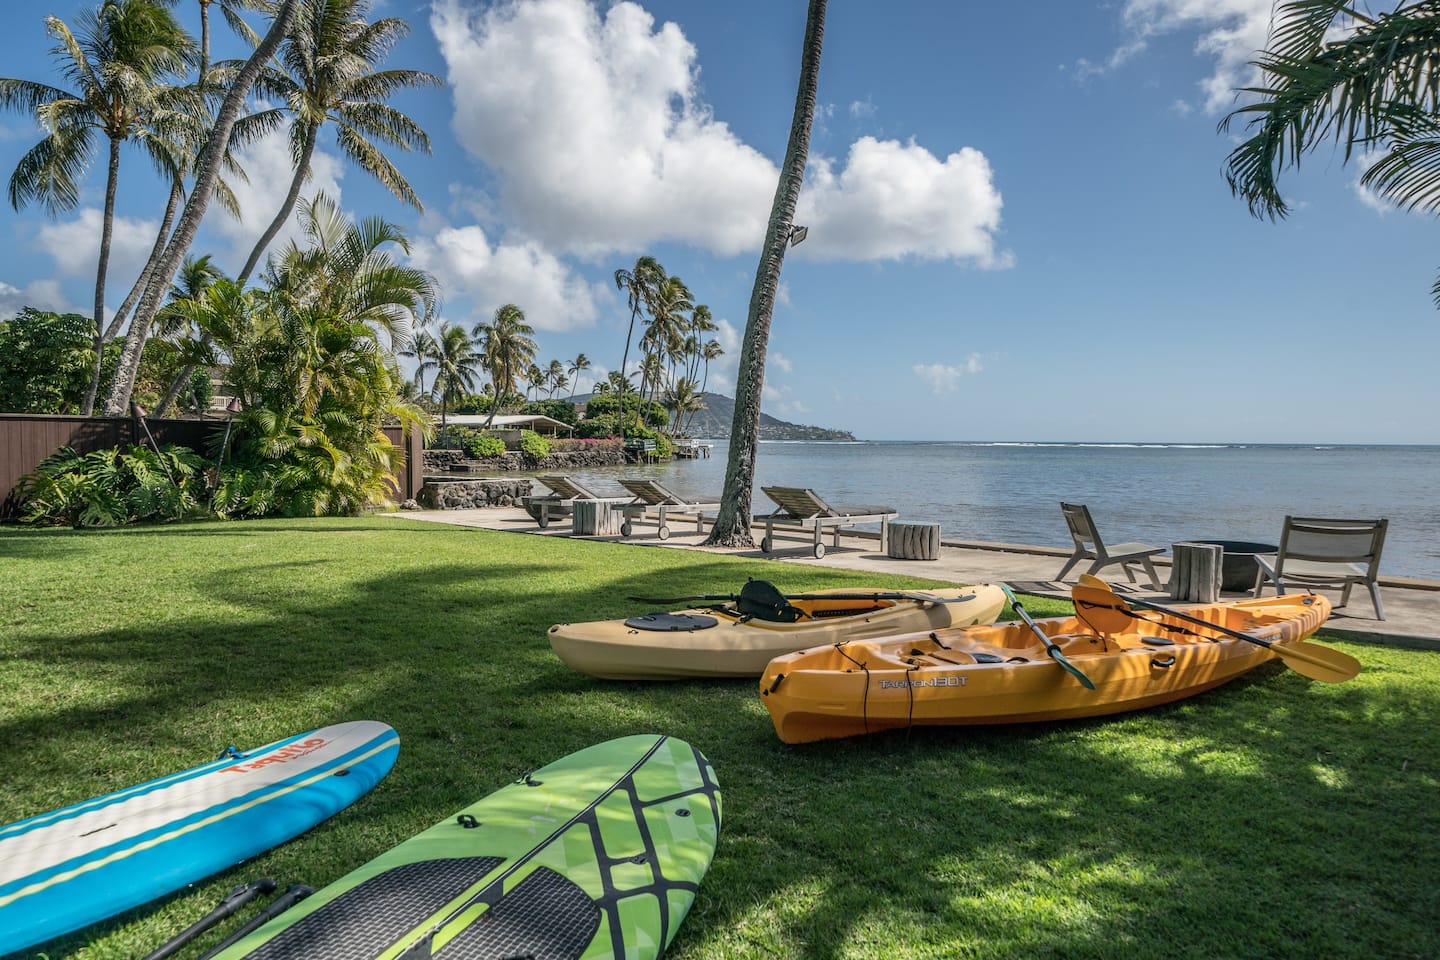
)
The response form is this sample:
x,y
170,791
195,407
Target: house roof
x,y
514,421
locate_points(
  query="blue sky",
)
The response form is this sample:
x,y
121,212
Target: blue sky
x,y
1019,224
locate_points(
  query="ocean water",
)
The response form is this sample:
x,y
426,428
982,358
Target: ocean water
x,y
1157,493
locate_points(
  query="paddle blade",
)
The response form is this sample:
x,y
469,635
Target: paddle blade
x,y
1318,662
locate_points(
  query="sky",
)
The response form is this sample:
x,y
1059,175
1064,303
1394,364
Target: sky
x,y
1018,223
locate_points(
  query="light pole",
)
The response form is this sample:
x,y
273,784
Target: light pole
x,y
138,412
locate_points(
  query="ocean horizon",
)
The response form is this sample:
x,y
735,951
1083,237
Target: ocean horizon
x,y
1160,493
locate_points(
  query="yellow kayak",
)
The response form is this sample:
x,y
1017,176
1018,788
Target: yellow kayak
x,y
1003,674
732,640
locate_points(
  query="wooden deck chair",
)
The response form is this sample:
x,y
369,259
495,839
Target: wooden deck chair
x,y
653,499
803,507
1321,552
1089,546
560,501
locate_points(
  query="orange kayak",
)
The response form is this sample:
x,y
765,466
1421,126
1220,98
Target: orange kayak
x,y
1002,674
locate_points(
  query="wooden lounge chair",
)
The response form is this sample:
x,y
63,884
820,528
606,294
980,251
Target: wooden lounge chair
x,y
1319,552
560,501
803,507
1089,546
652,499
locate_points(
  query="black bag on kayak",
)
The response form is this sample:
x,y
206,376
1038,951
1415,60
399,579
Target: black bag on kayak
x,y
762,600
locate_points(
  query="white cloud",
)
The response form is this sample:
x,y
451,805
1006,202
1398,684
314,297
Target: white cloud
x,y
862,109
75,247
464,261
780,360
945,378
40,294
893,200
1231,32
594,124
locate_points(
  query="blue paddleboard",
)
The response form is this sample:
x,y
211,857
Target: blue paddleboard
x,y
63,870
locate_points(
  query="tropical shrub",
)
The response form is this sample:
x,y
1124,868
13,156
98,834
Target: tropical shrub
x,y
483,446
46,359
108,488
533,445
593,428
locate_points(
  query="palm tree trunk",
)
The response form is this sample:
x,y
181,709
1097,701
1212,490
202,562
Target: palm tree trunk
x,y
177,191
107,229
302,173
732,523
194,212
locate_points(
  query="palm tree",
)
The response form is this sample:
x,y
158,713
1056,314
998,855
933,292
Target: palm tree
x,y
732,523
664,337
423,347
207,174
1371,89
329,59
639,285
119,63
231,11
456,364
508,349
711,351
555,377
682,399
580,364
176,320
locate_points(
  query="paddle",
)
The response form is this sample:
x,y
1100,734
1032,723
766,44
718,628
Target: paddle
x,y
1050,646
918,597
233,901
1307,659
279,905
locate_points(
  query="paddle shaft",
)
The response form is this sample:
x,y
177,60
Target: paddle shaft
x,y
279,905
1050,646
233,901
1326,665
919,598
1283,650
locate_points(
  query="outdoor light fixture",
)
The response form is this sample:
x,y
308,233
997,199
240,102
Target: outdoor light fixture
x,y
797,235
231,408
136,410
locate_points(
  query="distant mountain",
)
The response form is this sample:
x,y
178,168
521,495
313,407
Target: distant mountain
x,y
714,422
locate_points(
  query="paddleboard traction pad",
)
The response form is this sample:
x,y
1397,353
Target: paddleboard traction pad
x,y
603,852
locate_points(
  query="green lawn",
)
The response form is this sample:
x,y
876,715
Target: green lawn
x,y
1273,817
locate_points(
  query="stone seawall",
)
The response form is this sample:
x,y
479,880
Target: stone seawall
x,y
469,494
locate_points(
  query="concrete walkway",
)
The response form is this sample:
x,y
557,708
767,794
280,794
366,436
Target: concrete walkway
x,y
1412,607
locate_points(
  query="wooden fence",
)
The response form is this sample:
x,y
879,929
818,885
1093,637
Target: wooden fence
x,y
28,438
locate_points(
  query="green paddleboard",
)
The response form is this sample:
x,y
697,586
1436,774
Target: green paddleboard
x,y
597,855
